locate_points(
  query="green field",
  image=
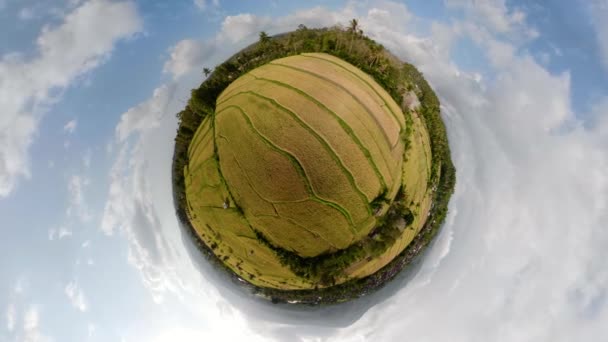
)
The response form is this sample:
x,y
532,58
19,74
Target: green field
x,y
307,151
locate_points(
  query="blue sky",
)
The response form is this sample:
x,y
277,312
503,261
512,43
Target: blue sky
x,y
92,251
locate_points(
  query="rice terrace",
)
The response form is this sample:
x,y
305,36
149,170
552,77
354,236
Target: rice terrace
x,y
312,166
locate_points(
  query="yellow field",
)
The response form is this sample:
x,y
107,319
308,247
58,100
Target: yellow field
x,y
415,175
304,145
329,179
351,84
392,105
227,229
352,115
345,146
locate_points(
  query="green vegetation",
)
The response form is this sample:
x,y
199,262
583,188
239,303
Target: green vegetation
x,y
340,209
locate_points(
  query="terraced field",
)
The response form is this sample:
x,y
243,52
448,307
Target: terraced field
x,y
307,151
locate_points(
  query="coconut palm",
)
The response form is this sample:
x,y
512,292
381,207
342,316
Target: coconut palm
x,y
353,28
264,37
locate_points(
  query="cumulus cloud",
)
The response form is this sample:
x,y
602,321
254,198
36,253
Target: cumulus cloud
x,y
187,55
64,52
205,4
59,233
130,209
245,27
494,15
146,115
520,256
31,327
76,296
70,126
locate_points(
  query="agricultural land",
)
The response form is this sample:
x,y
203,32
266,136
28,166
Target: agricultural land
x,y
312,166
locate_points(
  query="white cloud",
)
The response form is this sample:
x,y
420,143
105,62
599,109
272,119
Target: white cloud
x,y
187,55
52,234
238,27
20,285
77,205
244,28
76,296
495,15
11,317
146,115
31,319
26,13
130,209
63,232
205,4
70,126
59,233
31,327
29,85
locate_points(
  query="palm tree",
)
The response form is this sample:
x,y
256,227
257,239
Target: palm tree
x,y
353,28
264,38
206,71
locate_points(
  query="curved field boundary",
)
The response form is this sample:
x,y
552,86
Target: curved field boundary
x,y
321,140
363,105
369,111
278,215
317,56
199,136
384,151
345,126
202,148
296,163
